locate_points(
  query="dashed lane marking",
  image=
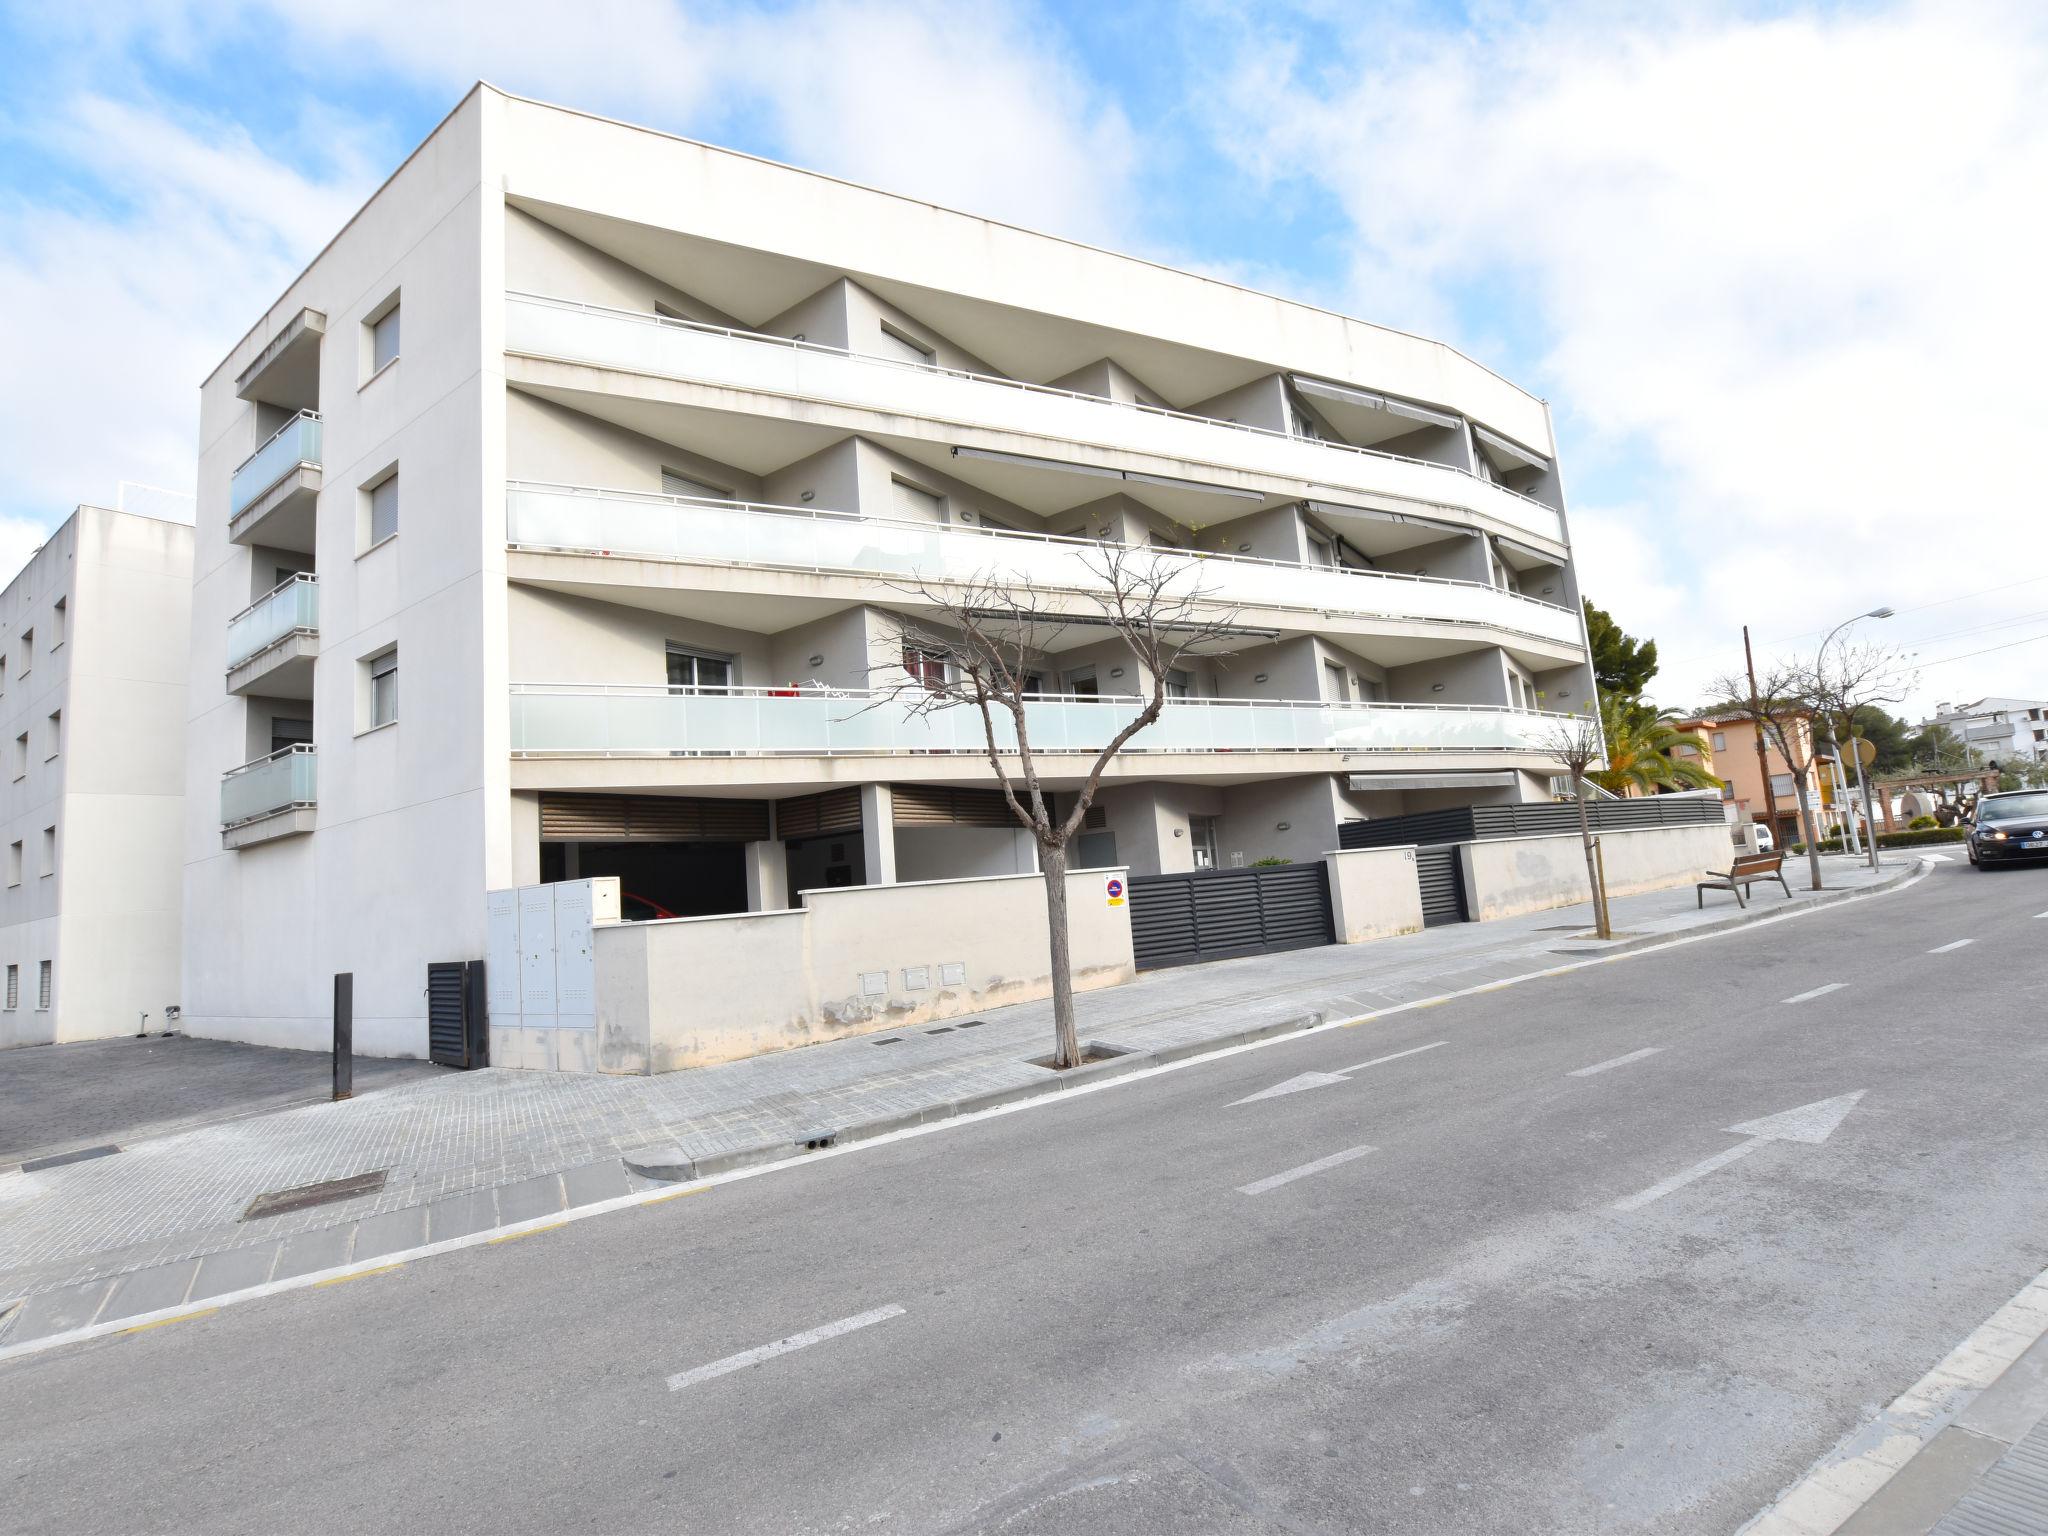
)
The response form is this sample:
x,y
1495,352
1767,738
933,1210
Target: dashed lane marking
x,y
794,1342
1942,949
1807,997
1619,1061
1335,1159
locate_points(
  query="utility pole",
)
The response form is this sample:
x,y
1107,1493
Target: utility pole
x,y
1756,722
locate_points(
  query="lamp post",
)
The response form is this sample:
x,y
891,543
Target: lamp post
x,y
1862,785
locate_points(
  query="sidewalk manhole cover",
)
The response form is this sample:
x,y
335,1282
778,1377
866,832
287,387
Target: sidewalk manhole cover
x,y
276,1202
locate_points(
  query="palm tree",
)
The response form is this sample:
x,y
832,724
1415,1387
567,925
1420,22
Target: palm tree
x,y
1640,757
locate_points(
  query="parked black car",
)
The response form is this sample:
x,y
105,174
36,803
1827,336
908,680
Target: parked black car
x,y
2010,828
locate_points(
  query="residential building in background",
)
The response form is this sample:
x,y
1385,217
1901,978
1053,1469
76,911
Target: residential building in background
x,y
92,719
562,520
1998,730
1729,743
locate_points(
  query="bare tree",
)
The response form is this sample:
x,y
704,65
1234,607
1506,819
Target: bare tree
x,y
1842,682
1781,708
1575,742
986,650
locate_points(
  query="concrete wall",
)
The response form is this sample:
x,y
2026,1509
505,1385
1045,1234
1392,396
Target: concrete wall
x,y
1506,876
695,991
1374,893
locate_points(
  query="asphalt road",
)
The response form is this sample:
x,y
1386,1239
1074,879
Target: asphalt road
x,y
1115,1317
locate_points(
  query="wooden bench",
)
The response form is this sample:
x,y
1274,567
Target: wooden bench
x,y
1747,869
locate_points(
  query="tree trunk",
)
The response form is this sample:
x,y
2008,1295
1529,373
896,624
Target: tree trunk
x,y
1806,823
1052,862
1600,925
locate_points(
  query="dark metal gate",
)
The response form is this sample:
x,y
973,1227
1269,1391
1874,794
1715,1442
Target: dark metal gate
x,y
458,1026
1443,888
1212,914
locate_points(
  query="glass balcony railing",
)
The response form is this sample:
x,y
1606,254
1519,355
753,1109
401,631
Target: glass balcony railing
x,y
626,721
613,338
275,783
292,445
799,538
291,607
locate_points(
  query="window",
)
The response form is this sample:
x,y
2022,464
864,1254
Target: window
x,y
3,674
899,345
286,732
14,863
1720,741
1319,551
13,987
675,484
380,511
1081,682
1727,789
1340,688
916,506
927,667
1178,685
56,733
21,757
43,985
383,689
60,612
1202,836
28,650
380,338
49,851
697,671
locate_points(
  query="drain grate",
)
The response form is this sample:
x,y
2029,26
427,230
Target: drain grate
x,y
276,1202
943,1029
85,1155
889,1040
972,1024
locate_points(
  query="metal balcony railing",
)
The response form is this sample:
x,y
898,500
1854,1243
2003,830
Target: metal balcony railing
x,y
282,781
291,607
291,446
649,526
549,719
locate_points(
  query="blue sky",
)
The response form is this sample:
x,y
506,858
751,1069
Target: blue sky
x,y
1729,242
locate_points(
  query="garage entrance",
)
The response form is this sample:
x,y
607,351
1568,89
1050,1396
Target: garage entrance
x,y
684,856
1214,914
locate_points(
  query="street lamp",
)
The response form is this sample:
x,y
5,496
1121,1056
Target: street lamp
x,y
1841,786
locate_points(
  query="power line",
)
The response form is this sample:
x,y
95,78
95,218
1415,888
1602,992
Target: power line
x,y
1966,655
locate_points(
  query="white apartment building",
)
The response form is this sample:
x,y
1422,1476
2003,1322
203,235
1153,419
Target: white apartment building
x,y
92,719
1999,730
561,520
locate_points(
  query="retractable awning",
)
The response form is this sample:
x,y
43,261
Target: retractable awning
x,y
1506,453
1523,556
1372,783
1100,472
1393,405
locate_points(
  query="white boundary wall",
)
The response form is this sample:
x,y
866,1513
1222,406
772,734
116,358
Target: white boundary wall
x,y
1510,875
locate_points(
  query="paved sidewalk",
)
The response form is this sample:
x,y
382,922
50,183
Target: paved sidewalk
x,y
160,1222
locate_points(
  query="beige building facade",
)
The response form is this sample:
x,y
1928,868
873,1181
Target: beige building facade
x,y
92,719
564,518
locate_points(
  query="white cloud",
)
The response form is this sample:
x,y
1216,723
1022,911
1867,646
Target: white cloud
x,y
1794,262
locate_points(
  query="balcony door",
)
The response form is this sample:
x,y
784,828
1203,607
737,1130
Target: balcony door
x,y
697,671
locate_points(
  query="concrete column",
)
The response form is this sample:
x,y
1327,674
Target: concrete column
x,y
767,877
525,839
878,834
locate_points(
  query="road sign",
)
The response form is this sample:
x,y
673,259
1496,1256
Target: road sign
x,y
1867,750
1113,891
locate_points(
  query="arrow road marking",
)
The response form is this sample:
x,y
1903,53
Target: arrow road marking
x,y
795,1341
1942,949
1324,1079
1332,1161
1807,997
1811,1124
1619,1061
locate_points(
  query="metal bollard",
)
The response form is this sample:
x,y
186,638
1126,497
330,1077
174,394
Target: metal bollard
x,y
344,1034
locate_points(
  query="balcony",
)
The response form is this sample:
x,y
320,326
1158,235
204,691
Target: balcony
x,y
273,641
630,525
680,349
651,721
267,799
272,495
287,371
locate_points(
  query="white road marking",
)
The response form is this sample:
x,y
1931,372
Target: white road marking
x,y
795,1341
1332,1161
1680,1180
1619,1061
1807,997
2041,914
1942,949
1381,1060
1809,1123
1306,1080
1940,858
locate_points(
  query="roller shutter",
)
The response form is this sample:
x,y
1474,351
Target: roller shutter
x,y
651,819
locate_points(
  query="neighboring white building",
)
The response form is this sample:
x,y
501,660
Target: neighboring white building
x,y
1999,730
554,522
92,719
